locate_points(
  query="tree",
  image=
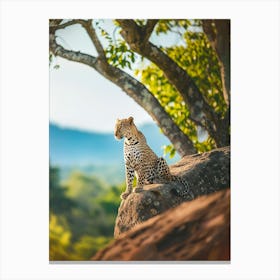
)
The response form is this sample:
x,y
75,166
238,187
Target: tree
x,y
191,91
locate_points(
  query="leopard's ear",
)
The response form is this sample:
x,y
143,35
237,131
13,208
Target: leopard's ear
x,y
130,120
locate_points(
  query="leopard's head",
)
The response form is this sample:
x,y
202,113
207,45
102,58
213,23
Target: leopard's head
x,y
123,127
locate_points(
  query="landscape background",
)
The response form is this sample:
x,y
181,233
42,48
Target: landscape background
x,y
86,179
97,153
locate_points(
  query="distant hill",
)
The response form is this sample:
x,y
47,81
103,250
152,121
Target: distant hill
x,y
96,153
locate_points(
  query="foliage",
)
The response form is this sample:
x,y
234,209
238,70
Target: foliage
x,y
83,188
51,58
58,201
87,246
167,25
59,239
117,52
198,59
79,230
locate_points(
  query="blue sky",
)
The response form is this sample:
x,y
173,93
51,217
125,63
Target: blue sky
x,y
82,98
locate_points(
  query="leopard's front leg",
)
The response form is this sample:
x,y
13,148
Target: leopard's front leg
x,y
129,174
140,183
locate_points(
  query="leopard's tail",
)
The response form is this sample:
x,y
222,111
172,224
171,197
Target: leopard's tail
x,y
184,190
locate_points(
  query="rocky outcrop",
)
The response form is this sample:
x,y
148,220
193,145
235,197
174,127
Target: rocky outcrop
x,y
205,173
195,230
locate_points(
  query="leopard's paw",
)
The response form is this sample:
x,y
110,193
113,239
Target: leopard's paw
x,y
125,195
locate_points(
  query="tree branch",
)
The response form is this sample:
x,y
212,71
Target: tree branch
x,y
135,90
87,25
142,34
132,33
55,24
94,38
58,50
149,27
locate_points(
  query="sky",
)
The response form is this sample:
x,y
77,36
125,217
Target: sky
x,y
82,98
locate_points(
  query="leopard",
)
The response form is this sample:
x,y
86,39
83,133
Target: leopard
x,y
140,160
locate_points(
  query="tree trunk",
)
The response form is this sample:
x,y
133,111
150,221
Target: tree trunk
x,y
218,34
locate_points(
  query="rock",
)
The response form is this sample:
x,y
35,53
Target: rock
x,y
205,173
194,230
